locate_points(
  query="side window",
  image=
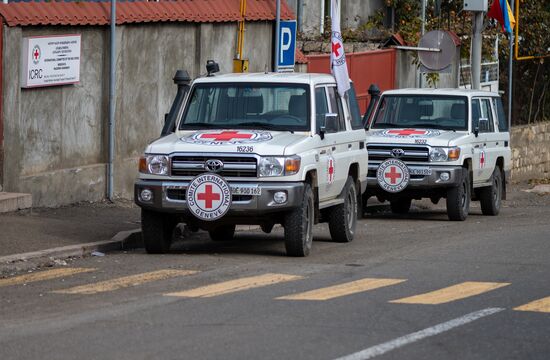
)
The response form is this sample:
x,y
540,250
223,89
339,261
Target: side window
x,y
336,106
321,106
486,114
476,113
353,106
502,121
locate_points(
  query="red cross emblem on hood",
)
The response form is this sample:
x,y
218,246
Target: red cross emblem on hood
x,y
226,136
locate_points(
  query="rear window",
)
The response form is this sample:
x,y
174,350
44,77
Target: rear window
x,y
501,116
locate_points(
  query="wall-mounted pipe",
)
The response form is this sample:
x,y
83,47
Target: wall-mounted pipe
x,y
112,83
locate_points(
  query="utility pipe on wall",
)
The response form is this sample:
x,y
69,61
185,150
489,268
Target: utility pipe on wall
x,y
112,83
277,35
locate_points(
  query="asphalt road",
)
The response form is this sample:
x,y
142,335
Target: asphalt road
x,y
408,287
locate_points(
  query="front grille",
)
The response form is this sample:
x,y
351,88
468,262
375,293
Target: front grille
x,y
234,166
411,153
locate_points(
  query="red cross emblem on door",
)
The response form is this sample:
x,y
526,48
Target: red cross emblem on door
x,y
393,175
226,136
482,159
407,132
330,170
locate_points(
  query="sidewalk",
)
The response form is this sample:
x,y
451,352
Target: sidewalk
x,y
45,228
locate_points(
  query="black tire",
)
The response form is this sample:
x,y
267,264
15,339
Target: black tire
x,y
458,199
222,233
299,226
157,230
401,205
490,197
342,219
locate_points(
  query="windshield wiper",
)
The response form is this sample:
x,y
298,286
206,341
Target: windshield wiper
x,y
260,125
433,126
386,125
257,124
200,125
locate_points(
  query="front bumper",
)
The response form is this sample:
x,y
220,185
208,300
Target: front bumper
x,y
422,181
169,196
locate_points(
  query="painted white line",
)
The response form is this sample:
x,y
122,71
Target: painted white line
x,y
383,348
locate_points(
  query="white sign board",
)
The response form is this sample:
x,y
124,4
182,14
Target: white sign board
x,y
50,60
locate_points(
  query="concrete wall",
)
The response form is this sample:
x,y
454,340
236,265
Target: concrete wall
x,y
530,155
357,12
55,138
406,72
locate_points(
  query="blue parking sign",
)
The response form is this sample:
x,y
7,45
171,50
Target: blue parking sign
x,y
287,45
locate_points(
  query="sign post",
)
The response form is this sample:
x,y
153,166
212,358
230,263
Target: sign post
x,y
287,46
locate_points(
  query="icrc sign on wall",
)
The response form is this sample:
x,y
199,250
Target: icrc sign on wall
x,y
50,60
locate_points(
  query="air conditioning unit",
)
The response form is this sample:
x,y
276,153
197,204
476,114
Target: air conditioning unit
x,y
475,5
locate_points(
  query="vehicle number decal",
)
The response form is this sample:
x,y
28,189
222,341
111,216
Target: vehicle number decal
x,y
245,149
420,141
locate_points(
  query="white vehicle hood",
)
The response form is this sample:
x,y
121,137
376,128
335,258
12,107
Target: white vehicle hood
x,y
263,142
431,137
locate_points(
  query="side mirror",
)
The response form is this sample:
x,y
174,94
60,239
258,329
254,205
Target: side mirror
x,y
331,122
483,124
476,131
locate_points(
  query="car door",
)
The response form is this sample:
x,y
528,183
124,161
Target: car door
x,y
324,146
479,144
493,143
341,141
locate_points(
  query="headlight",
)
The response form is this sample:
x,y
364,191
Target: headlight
x,y
154,164
444,154
279,166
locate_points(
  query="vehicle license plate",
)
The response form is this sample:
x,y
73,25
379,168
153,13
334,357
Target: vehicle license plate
x,y
246,190
420,171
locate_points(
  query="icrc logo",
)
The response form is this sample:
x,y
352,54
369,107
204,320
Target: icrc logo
x,y
36,54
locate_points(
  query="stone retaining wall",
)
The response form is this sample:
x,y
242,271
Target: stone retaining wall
x,y
530,152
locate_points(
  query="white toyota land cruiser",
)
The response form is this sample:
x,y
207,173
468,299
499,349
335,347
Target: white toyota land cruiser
x,y
437,143
256,149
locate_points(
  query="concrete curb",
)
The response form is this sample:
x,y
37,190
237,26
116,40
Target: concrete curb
x,y
124,240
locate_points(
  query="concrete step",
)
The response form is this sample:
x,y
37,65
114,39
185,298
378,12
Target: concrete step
x,y
14,201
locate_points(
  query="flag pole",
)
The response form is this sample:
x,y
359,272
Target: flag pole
x,y
511,72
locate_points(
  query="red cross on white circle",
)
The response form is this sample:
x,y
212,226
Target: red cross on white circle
x,y
208,196
407,132
226,136
393,175
36,54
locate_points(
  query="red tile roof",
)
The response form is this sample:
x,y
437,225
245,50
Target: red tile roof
x,y
98,13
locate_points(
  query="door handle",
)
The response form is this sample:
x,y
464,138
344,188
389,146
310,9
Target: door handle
x,y
497,142
323,152
349,146
484,144
333,148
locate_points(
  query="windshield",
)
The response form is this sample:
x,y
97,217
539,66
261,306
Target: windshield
x,y
426,111
282,107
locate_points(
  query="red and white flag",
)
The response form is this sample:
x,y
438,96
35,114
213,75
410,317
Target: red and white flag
x,y
337,56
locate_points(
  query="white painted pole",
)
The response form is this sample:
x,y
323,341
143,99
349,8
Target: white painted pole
x,y
476,49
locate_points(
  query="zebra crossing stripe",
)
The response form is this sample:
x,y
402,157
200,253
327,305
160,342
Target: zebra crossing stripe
x,y
451,293
43,275
340,290
236,285
124,282
541,305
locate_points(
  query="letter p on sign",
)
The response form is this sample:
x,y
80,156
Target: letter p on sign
x,y
287,45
